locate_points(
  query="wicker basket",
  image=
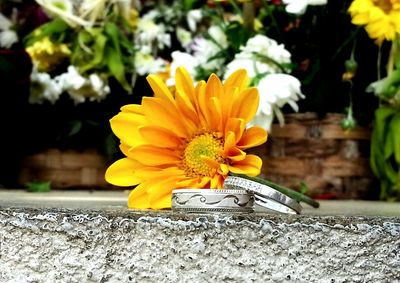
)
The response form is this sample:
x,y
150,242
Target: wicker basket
x,y
65,169
333,163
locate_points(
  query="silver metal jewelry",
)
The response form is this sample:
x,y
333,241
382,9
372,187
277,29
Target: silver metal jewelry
x,y
212,200
264,195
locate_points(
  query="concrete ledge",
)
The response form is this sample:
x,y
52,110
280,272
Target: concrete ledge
x,y
42,243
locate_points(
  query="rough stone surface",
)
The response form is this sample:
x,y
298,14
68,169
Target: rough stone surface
x,y
73,245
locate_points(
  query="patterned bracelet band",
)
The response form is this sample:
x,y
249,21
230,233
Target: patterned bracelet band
x,y
264,195
210,200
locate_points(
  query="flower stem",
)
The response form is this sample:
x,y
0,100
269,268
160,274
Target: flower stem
x,y
248,15
289,192
392,55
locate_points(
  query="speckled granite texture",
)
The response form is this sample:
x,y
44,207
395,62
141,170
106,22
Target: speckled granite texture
x,y
61,245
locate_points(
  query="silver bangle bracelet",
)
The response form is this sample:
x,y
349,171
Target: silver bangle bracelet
x,y
212,200
264,195
266,203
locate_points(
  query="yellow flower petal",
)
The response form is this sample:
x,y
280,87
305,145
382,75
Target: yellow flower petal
x,y
184,84
163,201
246,104
214,86
252,137
148,172
217,182
158,114
251,166
160,89
132,108
215,109
138,198
160,136
122,173
230,150
154,156
125,127
238,79
235,125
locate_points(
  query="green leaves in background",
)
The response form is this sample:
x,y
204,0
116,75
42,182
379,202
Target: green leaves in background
x,y
102,50
55,29
38,187
385,151
105,50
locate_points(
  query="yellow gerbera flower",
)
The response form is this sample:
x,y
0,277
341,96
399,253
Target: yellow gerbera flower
x,y
191,138
381,17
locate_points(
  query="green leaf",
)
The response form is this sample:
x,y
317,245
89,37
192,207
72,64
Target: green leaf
x,y
391,172
112,32
55,27
111,146
377,159
394,130
98,57
304,188
38,187
116,66
114,56
76,126
188,4
388,148
380,123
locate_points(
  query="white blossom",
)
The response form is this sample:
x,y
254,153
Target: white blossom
x,y
92,9
184,36
193,17
149,33
260,56
100,87
146,64
43,88
65,10
378,87
71,79
261,45
81,88
299,7
5,23
8,38
275,91
205,49
182,59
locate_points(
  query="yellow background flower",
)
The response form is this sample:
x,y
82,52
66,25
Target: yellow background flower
x,y
191,138
380,17
46,55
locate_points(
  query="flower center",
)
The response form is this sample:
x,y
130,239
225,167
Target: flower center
x,y
207,145
385,5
